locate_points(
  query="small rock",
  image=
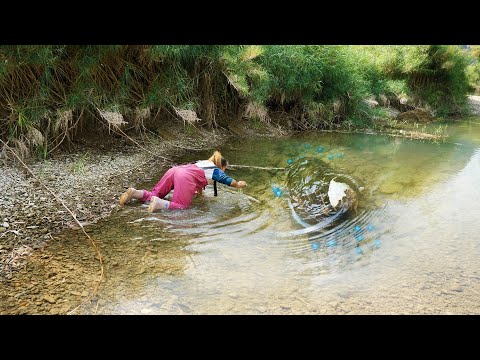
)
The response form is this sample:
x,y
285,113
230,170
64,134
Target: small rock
x,y
54,311
65,309
2,229
84,293
76,293
146,311
261,309
457,289
50,299
102,302
233,295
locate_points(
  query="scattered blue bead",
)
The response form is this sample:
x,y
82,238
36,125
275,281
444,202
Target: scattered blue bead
x,y
359,238
315,246
357,228
359,251
378,243
302,156
370,227
331,243
289,161
330,157
319,149
339,155
277,191
307,146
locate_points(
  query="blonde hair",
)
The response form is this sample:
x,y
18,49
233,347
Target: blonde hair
x,y
218,159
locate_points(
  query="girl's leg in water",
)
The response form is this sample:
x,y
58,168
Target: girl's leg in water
x,y
131,193
163,187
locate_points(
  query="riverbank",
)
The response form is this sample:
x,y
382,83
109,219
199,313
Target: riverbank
x,y
89,180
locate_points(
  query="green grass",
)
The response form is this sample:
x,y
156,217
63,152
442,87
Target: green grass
x,y
319,86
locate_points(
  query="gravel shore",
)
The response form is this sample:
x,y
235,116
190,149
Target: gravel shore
x,y
88,180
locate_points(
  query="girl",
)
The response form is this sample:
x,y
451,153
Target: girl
x,y
186,181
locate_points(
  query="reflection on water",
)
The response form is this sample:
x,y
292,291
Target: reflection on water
x,y
410,246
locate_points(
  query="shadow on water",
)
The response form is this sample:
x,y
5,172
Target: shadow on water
x,y
262,248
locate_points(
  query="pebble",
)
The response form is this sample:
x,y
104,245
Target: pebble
x,y
50,299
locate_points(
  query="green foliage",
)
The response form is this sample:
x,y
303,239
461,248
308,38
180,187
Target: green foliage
x,y
473,76
320,86
429,74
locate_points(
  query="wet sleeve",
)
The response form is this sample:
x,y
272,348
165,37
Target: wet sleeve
x,y
221,177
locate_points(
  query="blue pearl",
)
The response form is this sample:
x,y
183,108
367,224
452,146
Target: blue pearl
x,y
357,228
378,243
369,227
315,246
331,243
330,157
359,250
319,149
359,238
290,161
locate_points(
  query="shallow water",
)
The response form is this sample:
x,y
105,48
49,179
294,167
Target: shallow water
x,y
412,246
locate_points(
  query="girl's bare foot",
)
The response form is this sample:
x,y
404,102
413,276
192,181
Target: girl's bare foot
x,y
157,203
126,196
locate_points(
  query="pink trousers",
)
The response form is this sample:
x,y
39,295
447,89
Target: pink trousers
x,y
184,180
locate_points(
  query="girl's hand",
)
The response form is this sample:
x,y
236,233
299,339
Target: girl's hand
x,y
241,184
